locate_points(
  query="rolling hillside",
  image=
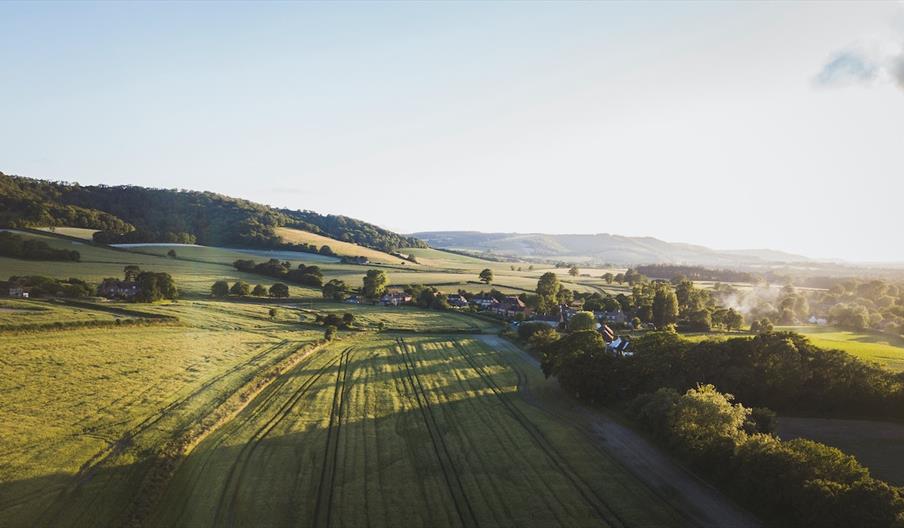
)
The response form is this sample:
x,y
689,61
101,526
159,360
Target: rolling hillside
x,y
602,247
132,214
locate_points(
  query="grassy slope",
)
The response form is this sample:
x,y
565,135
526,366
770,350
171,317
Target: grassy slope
x,y
89,406
76,232
97,263
886,350
343,249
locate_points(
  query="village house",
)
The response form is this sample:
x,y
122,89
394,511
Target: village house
x,y
611,317
117,289
456,301
352,299
18,292
395,298
510,307
484,302
553,321
820,321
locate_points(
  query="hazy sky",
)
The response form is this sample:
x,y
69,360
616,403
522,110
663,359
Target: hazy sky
x,y
775,125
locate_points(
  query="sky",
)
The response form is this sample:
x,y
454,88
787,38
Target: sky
x,y
731,125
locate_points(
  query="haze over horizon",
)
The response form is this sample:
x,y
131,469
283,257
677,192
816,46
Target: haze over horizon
x,y
735,126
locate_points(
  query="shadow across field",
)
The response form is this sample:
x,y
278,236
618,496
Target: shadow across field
x,y
389,441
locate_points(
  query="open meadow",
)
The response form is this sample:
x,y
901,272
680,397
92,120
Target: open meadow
x,y
876,347
227,415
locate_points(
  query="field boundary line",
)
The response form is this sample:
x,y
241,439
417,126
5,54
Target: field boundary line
x,y
174,452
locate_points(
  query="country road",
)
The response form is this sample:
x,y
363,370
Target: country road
x,y
696,500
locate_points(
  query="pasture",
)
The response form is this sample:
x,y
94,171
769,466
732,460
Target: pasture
x,y
343,249
403,431
231,417
883,349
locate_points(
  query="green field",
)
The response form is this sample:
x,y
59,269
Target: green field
x,y
400,432
884,349
380,429
196,268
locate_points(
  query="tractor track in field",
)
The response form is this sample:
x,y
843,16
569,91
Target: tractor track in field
x,y
234,426
601,506
225,510
88,469
324,503
439,444
524,390
698,502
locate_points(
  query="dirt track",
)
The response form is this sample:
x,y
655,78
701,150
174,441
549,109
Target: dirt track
x,y
699,502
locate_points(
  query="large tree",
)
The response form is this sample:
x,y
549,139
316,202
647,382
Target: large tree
x,y
220,289
486,276
374,283
334,290
240,288
547,290
582,321
279,290
665,305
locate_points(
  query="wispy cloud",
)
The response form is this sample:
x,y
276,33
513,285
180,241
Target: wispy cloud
x,y
863,64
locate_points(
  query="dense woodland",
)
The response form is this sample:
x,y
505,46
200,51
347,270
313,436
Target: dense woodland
x,y
127,214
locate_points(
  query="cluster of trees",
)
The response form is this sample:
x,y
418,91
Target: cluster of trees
x,y
17,246
847,303
222,289
140,214
782,371
375,282
45,286
305,275
857,304
790,483
155,286
697,273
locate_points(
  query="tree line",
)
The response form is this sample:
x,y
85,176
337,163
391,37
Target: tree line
x,y
305,275
17,246
788,483
222,289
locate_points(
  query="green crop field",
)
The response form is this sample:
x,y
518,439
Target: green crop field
x,y
388,431
884,349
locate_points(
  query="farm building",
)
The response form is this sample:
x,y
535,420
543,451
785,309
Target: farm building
x,y
620,347
117,289
352,299
821,321
395,298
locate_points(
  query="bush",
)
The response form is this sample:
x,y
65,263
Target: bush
x,y
330,333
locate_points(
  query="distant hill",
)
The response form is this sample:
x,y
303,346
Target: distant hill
x,y
129,214
601,247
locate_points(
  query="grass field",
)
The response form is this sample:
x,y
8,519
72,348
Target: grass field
x,y
402,432
884,349
76,232
85,410
378,429
340,248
